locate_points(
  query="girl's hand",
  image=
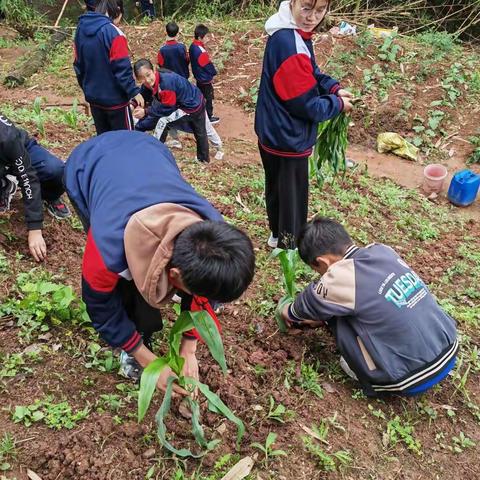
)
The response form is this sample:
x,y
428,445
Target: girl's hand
x,y
37,245
165,374
347,104
139,112
344,93
139,99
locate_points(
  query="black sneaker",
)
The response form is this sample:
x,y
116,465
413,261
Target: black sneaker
x,y
8,187
214,120
56,208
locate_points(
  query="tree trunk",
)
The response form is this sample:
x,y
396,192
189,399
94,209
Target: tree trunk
x,y
34,61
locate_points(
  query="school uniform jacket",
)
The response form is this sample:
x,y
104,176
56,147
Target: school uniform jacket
x,y
15,160
119,182
294,95
174,56
169,93
388,326
102,62
202,67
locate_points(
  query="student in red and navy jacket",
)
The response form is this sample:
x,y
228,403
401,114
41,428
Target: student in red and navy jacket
x,y
293,98
103,68
163,93
173,55
149,233
202,68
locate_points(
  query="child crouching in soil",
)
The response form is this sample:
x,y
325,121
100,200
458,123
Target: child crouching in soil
x,y
393,336
149,233
167,92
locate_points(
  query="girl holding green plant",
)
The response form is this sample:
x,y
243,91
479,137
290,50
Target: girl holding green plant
x,y
294,97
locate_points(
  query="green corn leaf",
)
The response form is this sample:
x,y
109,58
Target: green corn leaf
x,y
148,383
207,329
197,428
282,326
219,406
162,429
183,324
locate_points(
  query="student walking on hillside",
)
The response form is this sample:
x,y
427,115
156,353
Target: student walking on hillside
x,y
173,55
149,233
103,68
202,68
293,98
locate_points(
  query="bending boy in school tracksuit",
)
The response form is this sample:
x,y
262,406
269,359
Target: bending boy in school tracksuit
x,y
40,174
392,334
149,233
202,68
103,69
173,55
166,92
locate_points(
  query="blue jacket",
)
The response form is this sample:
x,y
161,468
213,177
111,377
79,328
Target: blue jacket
x,y
294,96
174,56
202,67
109,179
102,63
387,324
171,92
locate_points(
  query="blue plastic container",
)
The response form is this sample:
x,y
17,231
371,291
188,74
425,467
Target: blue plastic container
x,y
464,188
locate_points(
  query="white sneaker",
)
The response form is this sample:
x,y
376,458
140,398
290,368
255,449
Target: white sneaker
x,y
172,143
219,155
129,367
8,187
349,163
272,241
176,298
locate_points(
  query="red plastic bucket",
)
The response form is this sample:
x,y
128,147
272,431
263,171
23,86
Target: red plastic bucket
x,y
434,176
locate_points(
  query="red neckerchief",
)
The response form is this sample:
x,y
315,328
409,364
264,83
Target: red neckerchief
x,y
171,42
305,35
199,43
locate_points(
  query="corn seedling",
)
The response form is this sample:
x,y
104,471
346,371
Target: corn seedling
x,y
330,148
71,116
205,326
267,449
289,262
38,117
279,412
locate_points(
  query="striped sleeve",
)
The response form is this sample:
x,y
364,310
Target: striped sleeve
x,y
104,303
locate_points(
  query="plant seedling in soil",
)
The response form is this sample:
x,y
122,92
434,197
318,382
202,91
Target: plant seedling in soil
x,y
7,451
279,412
402,432
327,462
101,359
289,261
461,443
330,149
267,449
205,326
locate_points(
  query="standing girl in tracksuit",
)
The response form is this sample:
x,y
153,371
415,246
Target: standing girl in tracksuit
x,y
103,68
294,97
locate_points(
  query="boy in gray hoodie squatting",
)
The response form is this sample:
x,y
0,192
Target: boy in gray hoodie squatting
x,y
392,335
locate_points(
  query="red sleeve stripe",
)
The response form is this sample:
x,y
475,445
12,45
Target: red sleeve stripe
x,y
168,97
94,271
335,89
132,342
294,77
203,59
119,48
160,60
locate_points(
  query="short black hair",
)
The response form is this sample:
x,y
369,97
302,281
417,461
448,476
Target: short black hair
x,y
91,5
139,64
216,260
171,29
200,31
322,236
112,8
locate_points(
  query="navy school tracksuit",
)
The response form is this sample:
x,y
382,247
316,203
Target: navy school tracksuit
x,y
104,72
388,326
293,98
107,194
39,173
174,56
172,92
204,71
